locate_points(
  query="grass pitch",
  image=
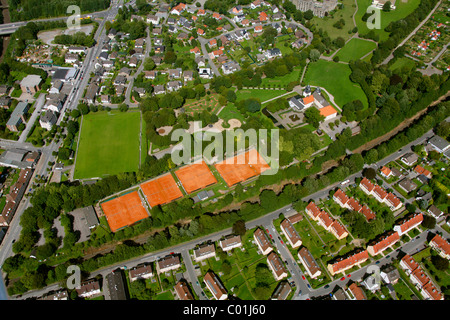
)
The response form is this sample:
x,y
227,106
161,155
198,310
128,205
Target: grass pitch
x,y
109,144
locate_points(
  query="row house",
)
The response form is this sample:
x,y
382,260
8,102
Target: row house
x,y
215,286
441,245
384,242
262,241
420,279
324,219
391,200
276,266
204,252
344,263
290,233
341,198
230,242
408,223
310,264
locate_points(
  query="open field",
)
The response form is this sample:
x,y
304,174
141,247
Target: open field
x,y
355,49
403,8
109,144
334,77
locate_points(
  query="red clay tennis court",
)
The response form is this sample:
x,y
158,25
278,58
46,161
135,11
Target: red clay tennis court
x,y
124,210
195,176
242,167
161,190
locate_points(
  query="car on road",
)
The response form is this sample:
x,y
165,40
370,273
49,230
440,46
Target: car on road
x,y
343,278
308,285
348,276
303,277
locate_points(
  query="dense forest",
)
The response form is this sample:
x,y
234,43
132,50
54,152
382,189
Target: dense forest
x,y
23,10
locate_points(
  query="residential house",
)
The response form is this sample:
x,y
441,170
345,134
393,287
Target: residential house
x,y
341,198
310,264
91,93
439,144
344,263
174,85
153,19
204,251
116,285
54,105
366,186
48,119
407,185
205,73
435,211
188,75
178,9
230,67
282,291
441,245
276,266
133,62
17,116
89,289
262,16
409,158
230,242
386,172
171,262
77,49
273,53
408,223
5,102
313,211
338,230
142,271
182,290
355,292
262,241
215,286
175,73
70,58
159,89
382,243
422,171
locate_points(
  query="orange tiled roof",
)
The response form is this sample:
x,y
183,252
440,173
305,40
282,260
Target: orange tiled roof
x,y
327,111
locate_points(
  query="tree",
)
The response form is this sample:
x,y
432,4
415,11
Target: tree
x,y
369,173
239,228
314,55
123,107
387,6
313,117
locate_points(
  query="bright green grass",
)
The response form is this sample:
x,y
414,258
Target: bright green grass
x,y
334,77
326,23
401,11
355,49
262,94
401,63
109,144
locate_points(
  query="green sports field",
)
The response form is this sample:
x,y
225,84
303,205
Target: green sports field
x,y
334,77
109,144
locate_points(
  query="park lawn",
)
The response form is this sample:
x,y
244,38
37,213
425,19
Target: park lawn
x,y
402,10
109,144
283,81
355,49
261,94
326,23
230,111
334,77
210,101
